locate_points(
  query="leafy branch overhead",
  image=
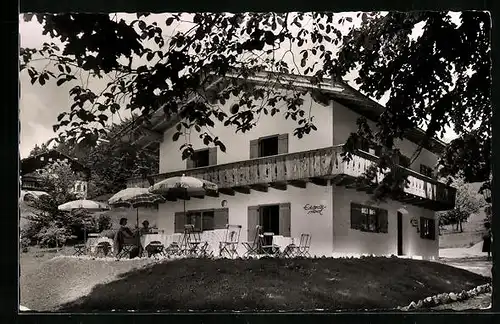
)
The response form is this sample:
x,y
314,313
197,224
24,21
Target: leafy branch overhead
x,y
440,78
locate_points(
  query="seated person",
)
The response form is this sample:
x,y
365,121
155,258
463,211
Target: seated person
x,y
145,229
122,233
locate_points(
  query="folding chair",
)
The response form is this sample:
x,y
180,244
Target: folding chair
x,y
190,241
103,248
80,249
290,251
253,247
304,245
155,249
231,240
268,248
173,249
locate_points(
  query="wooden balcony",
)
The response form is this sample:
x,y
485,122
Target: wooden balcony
x,y
315,166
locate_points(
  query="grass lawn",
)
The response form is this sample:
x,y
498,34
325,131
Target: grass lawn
x,y
269,284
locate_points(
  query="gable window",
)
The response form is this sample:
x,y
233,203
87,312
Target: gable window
x,y
202,158
426,171
368,219
269,146
427,228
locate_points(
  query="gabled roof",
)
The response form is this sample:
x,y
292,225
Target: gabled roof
x,y
336,90
33,163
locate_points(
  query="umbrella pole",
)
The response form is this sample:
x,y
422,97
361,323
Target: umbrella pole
x,y
138,232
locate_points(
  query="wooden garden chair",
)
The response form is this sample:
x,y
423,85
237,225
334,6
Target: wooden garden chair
x,y
80,249
103,248
268,248
231,240
155,249
304,245
253,247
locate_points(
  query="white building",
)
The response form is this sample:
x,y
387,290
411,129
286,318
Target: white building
x,y
291,186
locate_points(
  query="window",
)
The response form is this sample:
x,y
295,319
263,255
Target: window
x,y
203,220
269,145
368,219
427,228
273,218
202,158
426,171
269,218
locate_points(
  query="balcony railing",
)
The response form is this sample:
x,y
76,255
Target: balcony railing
x,y
324,163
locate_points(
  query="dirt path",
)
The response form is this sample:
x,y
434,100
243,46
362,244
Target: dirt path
x,y
477,265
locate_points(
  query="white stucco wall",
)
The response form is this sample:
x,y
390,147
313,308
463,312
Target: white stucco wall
x,y
345,123
347,241
238,144
319,226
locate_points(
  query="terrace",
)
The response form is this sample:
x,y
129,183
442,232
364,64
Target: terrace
x,y
314,166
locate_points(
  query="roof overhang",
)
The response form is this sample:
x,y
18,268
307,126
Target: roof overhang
x,y
39,161
338,91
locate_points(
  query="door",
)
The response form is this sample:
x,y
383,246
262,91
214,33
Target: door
x,y
400,233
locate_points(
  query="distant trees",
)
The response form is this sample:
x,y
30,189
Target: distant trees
x,y
468,201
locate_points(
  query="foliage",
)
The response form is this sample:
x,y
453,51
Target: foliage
x,y
46,223
467,202
53,235
440,78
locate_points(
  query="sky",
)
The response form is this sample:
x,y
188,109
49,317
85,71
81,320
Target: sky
x,y
40,105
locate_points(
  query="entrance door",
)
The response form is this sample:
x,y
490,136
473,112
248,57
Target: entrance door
x,y
400,233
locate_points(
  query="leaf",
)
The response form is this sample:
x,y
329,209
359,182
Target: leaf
x,y
176,136
169,21
349,19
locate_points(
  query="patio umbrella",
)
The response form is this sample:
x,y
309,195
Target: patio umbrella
x,y
83,204
183,186
135,198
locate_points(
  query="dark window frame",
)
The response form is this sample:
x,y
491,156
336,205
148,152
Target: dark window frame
x,y
201,212
262,141
196,154
371,216
426,229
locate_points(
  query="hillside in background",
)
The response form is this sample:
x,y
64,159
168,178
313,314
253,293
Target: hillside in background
x,y
472,234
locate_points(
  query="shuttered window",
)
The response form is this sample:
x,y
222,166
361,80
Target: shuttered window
x,y
369,219
252,222
203,220
268,146
285,220
427,228
202,158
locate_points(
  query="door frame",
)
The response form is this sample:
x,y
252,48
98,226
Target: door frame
x,y
400,234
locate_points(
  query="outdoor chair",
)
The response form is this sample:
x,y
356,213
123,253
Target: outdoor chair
x,y
155,249
191,241
304,245
80,249
126,250
102,248
173,249
231,240
253,247
268,248
289,251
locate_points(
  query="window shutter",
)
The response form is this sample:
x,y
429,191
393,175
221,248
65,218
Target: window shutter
x,y
179,222
254,149
356,216
285,219
383,222
253,218
283,143
189,163
221,218
212,156
422,227
432,229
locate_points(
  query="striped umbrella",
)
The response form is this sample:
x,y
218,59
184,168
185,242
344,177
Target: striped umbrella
x,y
135,198
183,186
88,205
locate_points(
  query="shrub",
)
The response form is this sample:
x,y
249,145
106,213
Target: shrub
x,y
53,236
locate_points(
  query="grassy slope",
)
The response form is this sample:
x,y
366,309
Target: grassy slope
x,y
472,234
367,283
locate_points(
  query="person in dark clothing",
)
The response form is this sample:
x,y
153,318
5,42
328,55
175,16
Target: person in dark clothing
x,y
487,240
120,236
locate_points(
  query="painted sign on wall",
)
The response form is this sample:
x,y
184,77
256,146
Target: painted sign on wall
x,y
314,209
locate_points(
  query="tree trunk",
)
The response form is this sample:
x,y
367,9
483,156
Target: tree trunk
x,y
461,228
